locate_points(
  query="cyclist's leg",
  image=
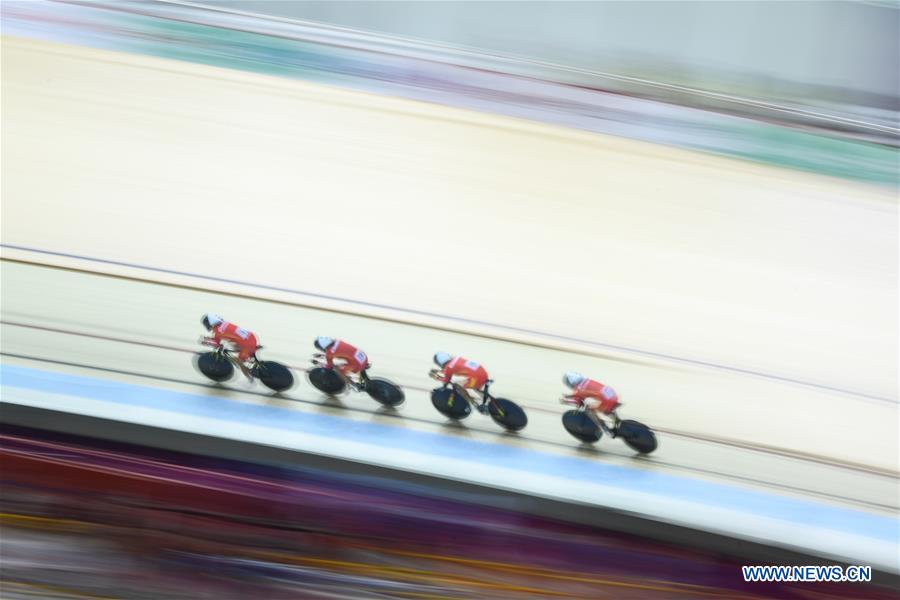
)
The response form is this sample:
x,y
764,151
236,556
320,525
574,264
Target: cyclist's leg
x,y
609,408
245,353
594,414
340,367
461,388
477,385
347,369
486,390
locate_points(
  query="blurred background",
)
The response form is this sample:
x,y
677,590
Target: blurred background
x,y
840,56
693,202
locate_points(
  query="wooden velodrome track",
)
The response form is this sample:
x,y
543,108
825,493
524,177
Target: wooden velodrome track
x,y
748,313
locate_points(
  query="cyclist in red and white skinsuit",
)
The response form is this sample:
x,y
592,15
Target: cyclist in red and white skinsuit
x,y
468,373
240,340
342,356
593,395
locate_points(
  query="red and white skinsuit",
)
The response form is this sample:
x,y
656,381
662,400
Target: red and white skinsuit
x,y
244,341
596,396
352,359
476,375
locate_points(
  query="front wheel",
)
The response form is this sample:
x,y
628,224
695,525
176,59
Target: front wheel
x,y
274,376
385,392
507,414
450,404
215,366
638,436
326,380
581,426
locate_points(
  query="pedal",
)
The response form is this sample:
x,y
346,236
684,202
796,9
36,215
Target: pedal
x,y
247,373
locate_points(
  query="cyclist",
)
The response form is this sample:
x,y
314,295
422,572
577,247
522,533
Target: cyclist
x,y
344,358
469,374
241,341
595,397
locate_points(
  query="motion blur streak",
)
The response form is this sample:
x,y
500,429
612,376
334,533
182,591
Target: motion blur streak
x,y
109,345
712,233
885,473
535,338
198,525
317,156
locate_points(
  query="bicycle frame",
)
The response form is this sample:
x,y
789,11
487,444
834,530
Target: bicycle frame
x,y
593,416
461,391
222,351
485,396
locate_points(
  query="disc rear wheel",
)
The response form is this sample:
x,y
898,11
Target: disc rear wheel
x,y
507,414
385,392
274,376
638,436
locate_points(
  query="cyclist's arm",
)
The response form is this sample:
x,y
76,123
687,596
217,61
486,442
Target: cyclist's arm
x,y
216,336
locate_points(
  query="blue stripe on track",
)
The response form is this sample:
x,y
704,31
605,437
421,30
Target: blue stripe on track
x,y
753,502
